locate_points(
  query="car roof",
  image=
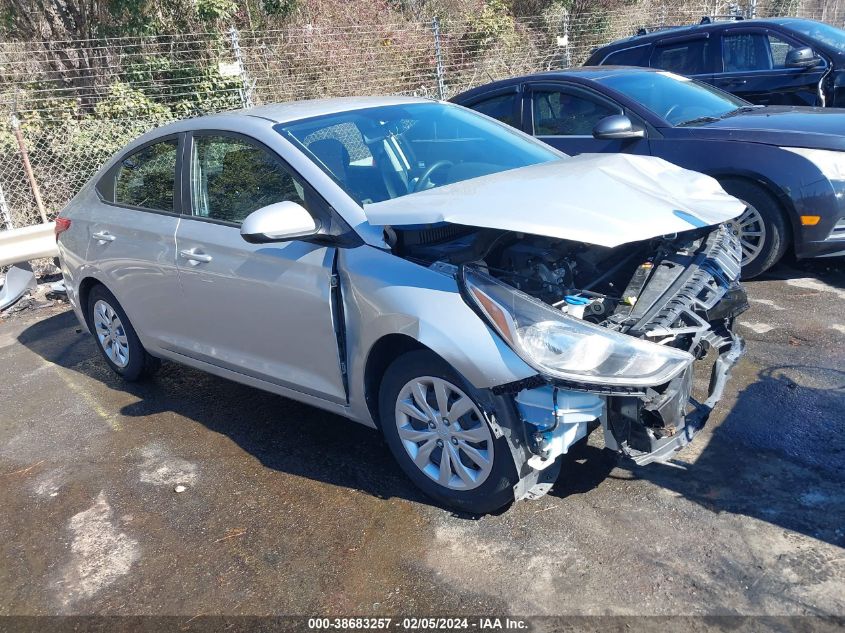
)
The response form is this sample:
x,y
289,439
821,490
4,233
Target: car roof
x,y
589,73
275,113
672,31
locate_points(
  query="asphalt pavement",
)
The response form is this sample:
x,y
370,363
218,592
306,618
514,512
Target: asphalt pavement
x,y
284,509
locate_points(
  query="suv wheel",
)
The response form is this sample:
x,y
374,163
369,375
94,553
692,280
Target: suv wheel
x,y
763,231
440,436
116,338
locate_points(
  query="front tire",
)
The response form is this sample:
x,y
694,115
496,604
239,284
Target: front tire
x,y
762,229
116,338
439,435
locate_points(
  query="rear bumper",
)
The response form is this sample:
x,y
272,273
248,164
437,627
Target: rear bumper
x,y
653,429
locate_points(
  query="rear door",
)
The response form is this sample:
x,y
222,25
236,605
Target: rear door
x,y
263,310
753,67
131,236
564,115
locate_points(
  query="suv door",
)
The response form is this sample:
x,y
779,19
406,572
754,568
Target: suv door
x,y
132,236
263,310
564,115
753,67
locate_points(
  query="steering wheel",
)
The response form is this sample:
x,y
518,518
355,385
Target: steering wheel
x,y
426,175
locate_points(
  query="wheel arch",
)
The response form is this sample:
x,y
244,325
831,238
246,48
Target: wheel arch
x,y
383,352
784,200
85,287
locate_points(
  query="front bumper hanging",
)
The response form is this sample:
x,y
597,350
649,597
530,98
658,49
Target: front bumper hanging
x,y
654,428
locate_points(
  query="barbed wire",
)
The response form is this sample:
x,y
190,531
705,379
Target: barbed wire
x,y
79,101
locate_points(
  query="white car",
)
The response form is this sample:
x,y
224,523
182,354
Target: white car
x,y
479,297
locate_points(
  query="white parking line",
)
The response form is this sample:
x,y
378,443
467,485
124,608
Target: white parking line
x,y
759,328
814,284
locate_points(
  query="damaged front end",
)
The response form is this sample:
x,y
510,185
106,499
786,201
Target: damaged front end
x,y
618,336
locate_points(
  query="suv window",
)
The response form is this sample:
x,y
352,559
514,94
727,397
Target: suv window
x,y
754,51
147,178
564,113
500,107
231,178
685,57
628,57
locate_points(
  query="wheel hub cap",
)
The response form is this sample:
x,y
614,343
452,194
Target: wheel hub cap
x,y
111,334
444,433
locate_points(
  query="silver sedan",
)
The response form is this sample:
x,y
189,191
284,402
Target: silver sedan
x,y
482,299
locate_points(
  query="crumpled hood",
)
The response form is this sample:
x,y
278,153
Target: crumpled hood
x,y
602,199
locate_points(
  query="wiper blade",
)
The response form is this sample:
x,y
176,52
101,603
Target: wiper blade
x,y
697,120
740,110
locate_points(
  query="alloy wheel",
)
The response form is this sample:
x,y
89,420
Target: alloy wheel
x,y
444,433
751,230
111,334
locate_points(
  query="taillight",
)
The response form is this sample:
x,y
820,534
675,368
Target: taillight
x,y
62,225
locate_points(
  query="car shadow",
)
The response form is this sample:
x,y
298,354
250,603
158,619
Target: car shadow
x,y
830,271
283,434
778,456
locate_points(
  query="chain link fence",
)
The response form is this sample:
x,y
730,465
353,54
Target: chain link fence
x,y
67,106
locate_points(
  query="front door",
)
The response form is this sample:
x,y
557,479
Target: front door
x,y
564,117
263,310
754,68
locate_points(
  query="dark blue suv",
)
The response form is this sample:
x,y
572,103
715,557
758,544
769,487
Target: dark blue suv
x,y
775,61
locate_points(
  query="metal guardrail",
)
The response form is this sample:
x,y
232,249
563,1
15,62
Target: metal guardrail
x,y
31,242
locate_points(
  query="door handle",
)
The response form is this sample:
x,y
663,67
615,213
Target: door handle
x,y
194,256
104,236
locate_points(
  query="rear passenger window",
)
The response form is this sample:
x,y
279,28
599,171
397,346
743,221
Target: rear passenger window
x,y
147,178
687,57
629,57
500,107
231,178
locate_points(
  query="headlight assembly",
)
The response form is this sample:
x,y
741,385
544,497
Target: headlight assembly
x,y
564,347
829,162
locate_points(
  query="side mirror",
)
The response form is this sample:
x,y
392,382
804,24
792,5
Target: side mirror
x,y
617,126
279,222
802,58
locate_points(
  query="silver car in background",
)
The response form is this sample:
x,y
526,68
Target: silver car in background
x,y
483,300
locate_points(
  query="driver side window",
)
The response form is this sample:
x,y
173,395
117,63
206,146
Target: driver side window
x,y
565,113
231,178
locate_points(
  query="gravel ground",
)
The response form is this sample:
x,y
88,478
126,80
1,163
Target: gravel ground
x,y
289,510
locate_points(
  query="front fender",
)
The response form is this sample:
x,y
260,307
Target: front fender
x,y
384,294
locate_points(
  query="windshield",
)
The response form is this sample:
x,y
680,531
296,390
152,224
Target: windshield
x,y
376,154
674,98
820,32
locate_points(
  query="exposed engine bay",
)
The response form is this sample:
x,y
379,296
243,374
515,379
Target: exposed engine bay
x,y
679,290
613,287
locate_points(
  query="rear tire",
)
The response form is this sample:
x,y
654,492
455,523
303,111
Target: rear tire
x,y
479,471
762,228
116,338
